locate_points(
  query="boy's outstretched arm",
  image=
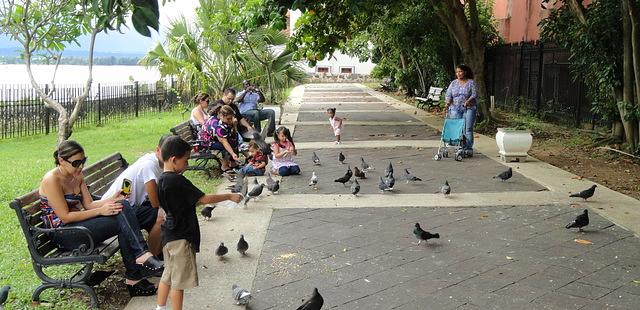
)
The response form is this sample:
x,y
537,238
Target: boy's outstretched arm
x,y
213,198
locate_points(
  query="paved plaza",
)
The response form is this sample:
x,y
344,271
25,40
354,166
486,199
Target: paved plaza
x,y
502,245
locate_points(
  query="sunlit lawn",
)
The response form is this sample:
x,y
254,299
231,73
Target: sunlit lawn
x,y
24,162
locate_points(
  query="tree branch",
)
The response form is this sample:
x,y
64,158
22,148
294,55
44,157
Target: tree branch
x,y
577,9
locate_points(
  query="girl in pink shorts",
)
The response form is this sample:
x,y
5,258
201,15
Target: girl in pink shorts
x,y
336,123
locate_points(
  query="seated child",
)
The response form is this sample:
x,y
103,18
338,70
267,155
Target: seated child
x,y
283,151
336,123
181,230
256,161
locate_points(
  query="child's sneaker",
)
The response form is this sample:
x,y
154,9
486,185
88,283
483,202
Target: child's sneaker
x,y
337,142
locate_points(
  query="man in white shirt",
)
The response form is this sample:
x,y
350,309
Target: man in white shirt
x,y
144,194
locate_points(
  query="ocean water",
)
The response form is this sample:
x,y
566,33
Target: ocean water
x,y
70,74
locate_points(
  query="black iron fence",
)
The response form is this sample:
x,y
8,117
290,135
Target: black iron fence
x,y
23,113
536,77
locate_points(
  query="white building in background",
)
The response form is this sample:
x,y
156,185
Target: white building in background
x,y
336,65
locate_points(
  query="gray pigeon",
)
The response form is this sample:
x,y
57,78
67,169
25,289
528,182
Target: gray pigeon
x,y
581,220
237,187
255,192
314,180
355,187
255,181
382,185
245,187
206,212
240,295
243,245
221,251
410,177
364,164
585,194
273,188
4,294
270,180
315,159
446,189
505,175
358,173
314,303
341,158
345,178
391,181
388,170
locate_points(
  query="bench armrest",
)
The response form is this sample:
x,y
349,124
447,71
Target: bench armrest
x,y
82,249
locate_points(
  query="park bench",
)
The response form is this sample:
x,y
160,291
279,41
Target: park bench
x,y
44,252
430,99
201,156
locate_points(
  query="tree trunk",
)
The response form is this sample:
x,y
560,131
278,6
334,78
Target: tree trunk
x,y
634,19
627,79
270,85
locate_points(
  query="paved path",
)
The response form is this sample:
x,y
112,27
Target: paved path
x,y
503,244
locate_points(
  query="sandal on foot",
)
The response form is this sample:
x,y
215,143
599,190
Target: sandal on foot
x,y
153,264
142,288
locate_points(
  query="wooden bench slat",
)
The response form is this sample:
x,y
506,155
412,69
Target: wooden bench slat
x,y
28,198
100,175
98,186
115,157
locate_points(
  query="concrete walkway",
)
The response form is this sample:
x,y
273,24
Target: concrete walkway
x,y
503,244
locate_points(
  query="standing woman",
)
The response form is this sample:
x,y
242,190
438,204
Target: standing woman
x,y
461,101
65,201
199,112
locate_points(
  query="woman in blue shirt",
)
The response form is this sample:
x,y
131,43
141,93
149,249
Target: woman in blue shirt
x,y
461,101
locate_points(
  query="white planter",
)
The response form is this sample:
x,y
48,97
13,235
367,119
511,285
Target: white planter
x,y
513,144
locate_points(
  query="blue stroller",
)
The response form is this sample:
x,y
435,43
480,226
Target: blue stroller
x,y
452,136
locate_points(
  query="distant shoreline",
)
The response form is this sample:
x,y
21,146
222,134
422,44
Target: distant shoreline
x,y
76,60
16,74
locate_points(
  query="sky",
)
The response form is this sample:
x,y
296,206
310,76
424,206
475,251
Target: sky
x,y
130,41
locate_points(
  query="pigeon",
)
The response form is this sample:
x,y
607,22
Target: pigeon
x,y
391,181
388,170
206,212
315,159
445,189
245,187
341,158
240,295
587,193
345,178
314,179
243,246
410,177
4,294
254,193
382,185
270,180
255,181
423,235
505,175
237,187
358,173
355,187
221,250
274,187
581,220
364,165
314,303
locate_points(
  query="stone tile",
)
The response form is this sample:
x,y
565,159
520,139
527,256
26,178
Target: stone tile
x,y
357,116
620,298
351,132
584,290
562,301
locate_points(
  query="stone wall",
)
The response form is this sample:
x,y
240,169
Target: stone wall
x,y
340,78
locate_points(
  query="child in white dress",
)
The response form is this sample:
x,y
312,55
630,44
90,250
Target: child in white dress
x,y
336,123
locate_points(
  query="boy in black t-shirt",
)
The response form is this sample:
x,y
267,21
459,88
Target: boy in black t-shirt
x,y
180,231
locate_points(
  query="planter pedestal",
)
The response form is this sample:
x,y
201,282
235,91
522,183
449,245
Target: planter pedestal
x,y
513,144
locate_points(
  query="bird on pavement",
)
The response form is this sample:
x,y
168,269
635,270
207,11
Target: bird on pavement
x,y
314,303
240,295
358,173
364,165
273,188
341,158
355,187
446,189
254,193
315,159
239,182
314,180
243,245
581,220
221,251
410,177
206,212
4,294
585,194
391,181
255,181
382,185
343,179
423,235
270,181
505,175
388,170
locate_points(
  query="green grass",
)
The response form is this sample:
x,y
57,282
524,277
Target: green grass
x,y
26,160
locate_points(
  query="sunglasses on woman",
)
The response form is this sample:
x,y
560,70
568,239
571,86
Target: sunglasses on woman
x,y
77,163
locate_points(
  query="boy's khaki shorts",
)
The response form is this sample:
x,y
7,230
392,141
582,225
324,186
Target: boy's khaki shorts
x,y
180,270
